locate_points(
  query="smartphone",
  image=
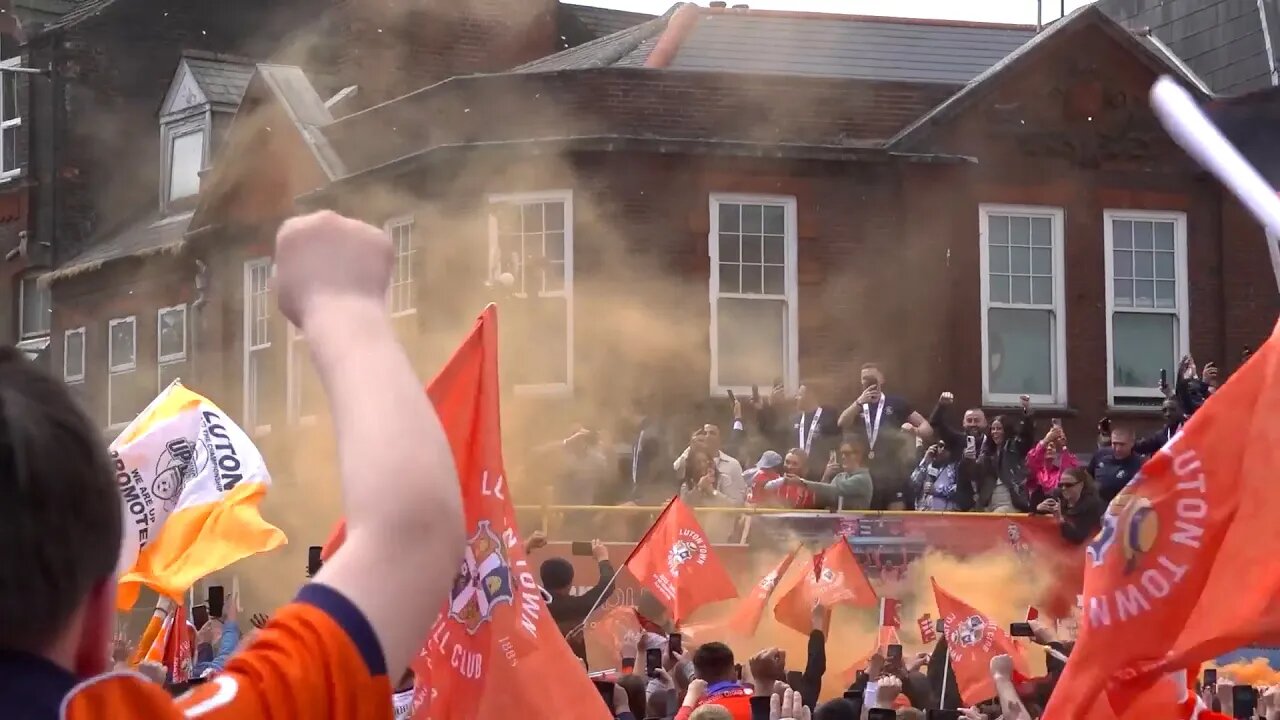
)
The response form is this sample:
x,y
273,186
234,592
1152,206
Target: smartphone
x,y
581,548
882,714
652,661
1021,629
755,393
200,615
313,560
893,659
737,670
628,665
732,398
970,444
940,626
1057,423
795,679
675,643
1164,377
1244,701
606,692
1210,677
217,599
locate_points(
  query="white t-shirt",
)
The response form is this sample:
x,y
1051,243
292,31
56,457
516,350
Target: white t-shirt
x,y
402,703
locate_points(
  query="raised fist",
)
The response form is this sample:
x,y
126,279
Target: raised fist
x,y
326,259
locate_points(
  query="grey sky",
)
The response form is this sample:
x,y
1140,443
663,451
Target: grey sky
x,y
1010,11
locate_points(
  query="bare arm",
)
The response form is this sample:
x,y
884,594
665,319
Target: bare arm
x,y
399,484
924,430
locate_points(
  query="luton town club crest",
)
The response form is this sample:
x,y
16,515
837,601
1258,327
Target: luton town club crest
x,y
1132,521
483,582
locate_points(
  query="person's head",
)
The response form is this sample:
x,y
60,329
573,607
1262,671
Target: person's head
x,y
711,711
711,438
1122,440
806,399
796,462
713,662
696,465
871,375
61,523
837,709
853,454
1074,483
999,429
406,680
942,454
770,461
656,705
975,420
557,575
634,685
1171,411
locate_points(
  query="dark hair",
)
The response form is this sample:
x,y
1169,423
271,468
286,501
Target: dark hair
x,y
800,453
714,662
837,709
61,520
635,687
1081,474
869,366
556,574
691,474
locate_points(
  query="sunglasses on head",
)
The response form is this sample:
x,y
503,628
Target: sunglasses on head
x,y
1068,484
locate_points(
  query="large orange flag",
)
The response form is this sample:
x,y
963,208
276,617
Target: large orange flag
x,y
1184,568
675,562
610,635
746,616
972,640
494,652
836,579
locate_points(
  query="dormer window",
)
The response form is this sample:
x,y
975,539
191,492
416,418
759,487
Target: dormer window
x,y
203,97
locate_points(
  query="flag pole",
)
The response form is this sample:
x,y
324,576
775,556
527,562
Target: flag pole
x,y
586,618
1187,124
946,670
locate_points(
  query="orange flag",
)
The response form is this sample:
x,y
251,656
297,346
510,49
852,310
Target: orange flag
x,y
179,647
972,640
494,652
746,617
836,579
610,635
675,562
1198,518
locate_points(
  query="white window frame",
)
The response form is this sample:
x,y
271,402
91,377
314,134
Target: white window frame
x,y
1057,218
66,336
114,371
549,196
294,389
404,221
251,411
8,123
172,133
22,307
791,287
173,358
1182,295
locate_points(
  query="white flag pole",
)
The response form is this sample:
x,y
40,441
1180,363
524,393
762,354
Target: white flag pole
x,y
946,670
1192,129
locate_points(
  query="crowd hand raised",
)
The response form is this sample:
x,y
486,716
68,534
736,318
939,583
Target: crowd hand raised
x,y
875,666
620,702
737,409
946,398
1210,373
326,259
536,541
152,671
1225,698
1187,367
768,667
787,706
1042,633
918,661
819,617
869,396
599,551
697,690
671,659
777,395
1002,667
887,690
259,620
972,713
121,648
1025,402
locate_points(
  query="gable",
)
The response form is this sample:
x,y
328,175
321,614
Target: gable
x,y
184,93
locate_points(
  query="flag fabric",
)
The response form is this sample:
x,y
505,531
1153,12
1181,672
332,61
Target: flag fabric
x,y
675,562
191,483
888,636
973,638
1033,613
837,579
746,616
179,649
890,613
928,629
610,635
494,651
1197,518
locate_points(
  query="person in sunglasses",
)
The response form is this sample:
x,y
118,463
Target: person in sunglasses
x,y
1075,505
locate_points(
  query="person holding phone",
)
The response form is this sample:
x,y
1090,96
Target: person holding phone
x,y
1075,505
1002,484
846,483
943,481
891,427
569,610
811,426
1046,462
727,482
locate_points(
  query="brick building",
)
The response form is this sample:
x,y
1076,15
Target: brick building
x,y
686,204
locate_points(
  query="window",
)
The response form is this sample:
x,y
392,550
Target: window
x,y
257,340
306,396
171,344
531,238
124,401
34,308
1023,326
402,296
73,356
1146,260
10,119
186,159
753,292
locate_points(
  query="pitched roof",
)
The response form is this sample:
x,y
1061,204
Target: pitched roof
x,y
223,78
1088,14
83,9
796,43
151,235
588,22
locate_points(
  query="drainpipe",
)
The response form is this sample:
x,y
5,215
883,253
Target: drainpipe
x,y
197,311
1039,15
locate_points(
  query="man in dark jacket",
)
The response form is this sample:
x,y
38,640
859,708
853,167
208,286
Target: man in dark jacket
x,y
1173,419
1113,467
568,610
814,428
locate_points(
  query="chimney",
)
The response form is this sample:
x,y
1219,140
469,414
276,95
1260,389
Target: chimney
x,y
742,7
719,4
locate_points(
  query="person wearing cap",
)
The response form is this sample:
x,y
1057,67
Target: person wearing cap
x,y
769,467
